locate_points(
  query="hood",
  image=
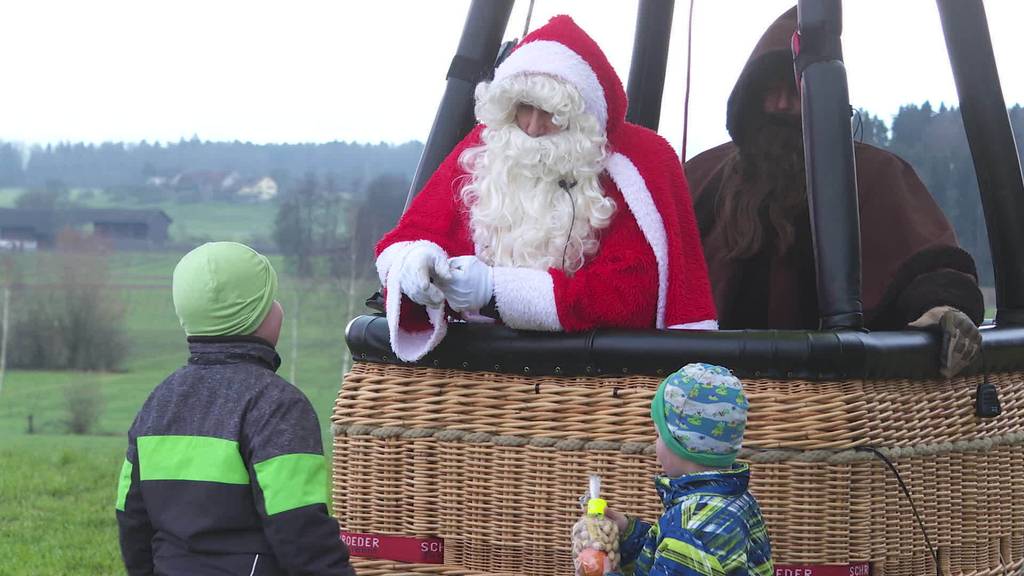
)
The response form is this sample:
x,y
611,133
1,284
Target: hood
x,y
770,60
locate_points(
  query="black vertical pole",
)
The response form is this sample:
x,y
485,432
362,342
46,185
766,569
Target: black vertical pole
x,y
650,57
473,61
828,155
996,163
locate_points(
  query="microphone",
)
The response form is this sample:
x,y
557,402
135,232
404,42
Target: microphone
x,y
567,183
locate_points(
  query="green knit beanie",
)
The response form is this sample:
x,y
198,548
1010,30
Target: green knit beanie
x,y
223,289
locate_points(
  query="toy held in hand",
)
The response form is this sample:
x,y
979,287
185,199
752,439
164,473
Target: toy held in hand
x,y
595,537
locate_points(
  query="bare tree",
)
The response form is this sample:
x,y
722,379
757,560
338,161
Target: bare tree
x,y
76,319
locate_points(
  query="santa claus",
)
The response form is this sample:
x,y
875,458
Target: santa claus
x,y
553,214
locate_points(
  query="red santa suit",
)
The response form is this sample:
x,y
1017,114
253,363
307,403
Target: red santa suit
x,y
649,270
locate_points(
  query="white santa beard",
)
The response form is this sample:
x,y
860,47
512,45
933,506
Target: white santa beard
x,y
519,215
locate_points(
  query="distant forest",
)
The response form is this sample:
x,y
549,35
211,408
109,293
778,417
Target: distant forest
x,y
931,139
934,143
133,167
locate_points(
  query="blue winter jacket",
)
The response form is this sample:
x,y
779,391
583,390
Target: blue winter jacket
x,y
712,526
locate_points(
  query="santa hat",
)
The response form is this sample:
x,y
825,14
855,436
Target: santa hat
x,y
563,50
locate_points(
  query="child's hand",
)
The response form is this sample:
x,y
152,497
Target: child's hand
x,y
620,519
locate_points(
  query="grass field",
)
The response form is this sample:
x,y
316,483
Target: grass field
x,y
191,221
57,491
56,505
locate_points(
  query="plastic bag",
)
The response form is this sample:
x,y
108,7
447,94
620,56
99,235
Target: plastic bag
x,y
595,537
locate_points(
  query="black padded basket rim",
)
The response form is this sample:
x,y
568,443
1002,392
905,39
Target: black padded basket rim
x,y
784,354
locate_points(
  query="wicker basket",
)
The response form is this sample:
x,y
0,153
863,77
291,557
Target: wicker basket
x,y
494,464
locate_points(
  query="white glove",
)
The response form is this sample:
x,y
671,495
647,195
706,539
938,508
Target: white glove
x,y
471,285
423,268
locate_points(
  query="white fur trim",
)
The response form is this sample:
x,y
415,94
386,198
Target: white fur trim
x,y
394,253
702,325
526,299
408,346
555,59
626,176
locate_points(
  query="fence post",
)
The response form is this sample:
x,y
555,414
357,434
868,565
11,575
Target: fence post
x,y
3,335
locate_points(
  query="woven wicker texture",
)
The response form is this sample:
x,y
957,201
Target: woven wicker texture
x,y
494,464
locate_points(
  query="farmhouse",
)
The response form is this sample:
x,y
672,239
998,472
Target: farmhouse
x,y
31,229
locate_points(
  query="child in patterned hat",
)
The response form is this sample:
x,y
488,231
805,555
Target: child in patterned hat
x,y
712,525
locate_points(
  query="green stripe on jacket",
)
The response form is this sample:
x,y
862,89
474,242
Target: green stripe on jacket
x,y
194,458
292,481
690,556
124,483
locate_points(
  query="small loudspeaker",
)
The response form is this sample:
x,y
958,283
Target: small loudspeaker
x,y
986,401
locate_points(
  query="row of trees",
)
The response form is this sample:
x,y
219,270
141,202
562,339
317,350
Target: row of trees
x,y
113,166
934,143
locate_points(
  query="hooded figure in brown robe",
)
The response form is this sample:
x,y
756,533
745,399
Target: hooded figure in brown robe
x,y
750,199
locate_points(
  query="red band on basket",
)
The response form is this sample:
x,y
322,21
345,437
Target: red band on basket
x,y
857,569
397,548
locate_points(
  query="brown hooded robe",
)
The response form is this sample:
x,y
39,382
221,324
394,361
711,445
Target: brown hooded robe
x,y
909,253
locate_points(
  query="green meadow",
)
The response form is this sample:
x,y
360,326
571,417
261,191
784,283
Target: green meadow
x,y
191,222
57,490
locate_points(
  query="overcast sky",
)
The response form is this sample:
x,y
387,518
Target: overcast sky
x,y
373,70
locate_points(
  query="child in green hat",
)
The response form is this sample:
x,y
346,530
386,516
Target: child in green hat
x,y
225,471
712,525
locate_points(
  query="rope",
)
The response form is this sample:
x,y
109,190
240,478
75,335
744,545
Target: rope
x,y
603,445
686,98
386,432
479,437
761,456
510,441
529,14
451,436
543,442
570,444
415,433
634,447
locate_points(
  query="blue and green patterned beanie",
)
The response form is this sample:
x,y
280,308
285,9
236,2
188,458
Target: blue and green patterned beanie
x,y
700,413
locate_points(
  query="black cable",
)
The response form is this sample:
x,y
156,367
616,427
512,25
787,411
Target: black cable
x,y
565,185
920,523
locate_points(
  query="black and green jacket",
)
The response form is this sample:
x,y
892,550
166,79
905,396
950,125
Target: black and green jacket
x,y
225,472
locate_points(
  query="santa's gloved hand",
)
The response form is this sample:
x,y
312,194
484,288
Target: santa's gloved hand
x,y
471,285
423,268
961,339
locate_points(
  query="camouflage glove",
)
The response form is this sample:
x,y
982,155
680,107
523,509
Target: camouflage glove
x,y
961,339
